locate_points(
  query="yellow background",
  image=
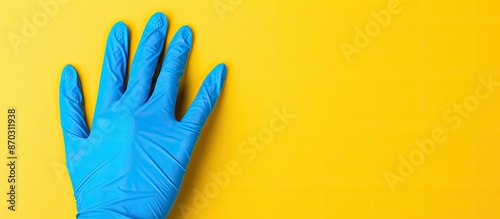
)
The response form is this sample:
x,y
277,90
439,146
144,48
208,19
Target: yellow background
x,y
353,119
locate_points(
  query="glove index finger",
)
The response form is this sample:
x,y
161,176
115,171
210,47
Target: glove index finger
x,y
71,104
206,98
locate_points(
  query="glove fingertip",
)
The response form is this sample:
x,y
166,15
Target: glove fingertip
x,y
69,77
220,76
213,84
70,87
187,35
120,33
158,20
186,28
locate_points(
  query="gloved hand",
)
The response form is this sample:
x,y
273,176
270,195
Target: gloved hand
x,y
132,162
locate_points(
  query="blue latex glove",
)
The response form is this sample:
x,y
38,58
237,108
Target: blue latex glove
x,y
131,164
